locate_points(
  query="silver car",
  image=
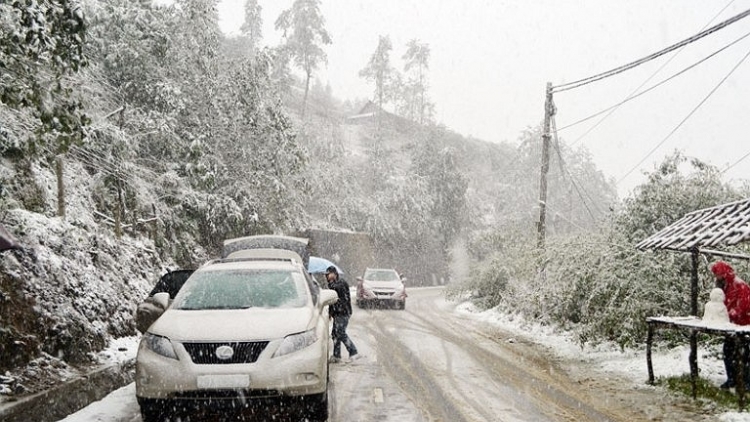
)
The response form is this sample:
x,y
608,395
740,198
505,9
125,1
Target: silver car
x,y
381,286
248,332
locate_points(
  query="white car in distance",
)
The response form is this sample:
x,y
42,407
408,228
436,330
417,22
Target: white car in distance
x,y
381,286
246,333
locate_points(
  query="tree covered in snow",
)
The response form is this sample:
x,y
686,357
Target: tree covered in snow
x,y
578,194
669,193
445,182
210,119
304,34
41,49
413,101
188,145
252,28
381,72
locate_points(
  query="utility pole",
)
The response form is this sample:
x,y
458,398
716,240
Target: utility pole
x,y
549,111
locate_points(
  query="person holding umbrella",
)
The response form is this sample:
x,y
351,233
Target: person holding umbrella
x,y
340,312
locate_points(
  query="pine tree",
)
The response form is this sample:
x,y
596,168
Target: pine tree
x,y
415,104
380,71
304,36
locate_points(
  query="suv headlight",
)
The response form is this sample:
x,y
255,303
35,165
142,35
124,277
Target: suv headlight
x,y
295,342
159,345
367,292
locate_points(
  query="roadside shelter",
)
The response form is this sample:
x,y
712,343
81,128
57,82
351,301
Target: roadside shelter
x,y
710,232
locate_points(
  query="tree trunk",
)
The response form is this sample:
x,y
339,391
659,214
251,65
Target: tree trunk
x,y
307,88
118,209
59,167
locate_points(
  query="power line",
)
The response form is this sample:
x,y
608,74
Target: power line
x,y
686,117
735,163
572,179
561,215
623,68
633,95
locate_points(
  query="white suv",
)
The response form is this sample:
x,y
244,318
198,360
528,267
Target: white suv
x,y
249,332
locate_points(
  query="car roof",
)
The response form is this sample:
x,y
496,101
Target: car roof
x,y
299,245
258,258
266,238
265,254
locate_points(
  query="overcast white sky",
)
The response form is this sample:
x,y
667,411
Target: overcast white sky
x,y
491,59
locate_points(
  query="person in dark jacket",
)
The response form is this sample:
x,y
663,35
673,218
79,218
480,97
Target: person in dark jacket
x,y
737,300
340,312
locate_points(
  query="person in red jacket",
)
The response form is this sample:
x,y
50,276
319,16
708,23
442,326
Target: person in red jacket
x,y
737,300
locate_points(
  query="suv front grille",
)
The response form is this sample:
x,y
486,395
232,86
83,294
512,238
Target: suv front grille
x,y
224,394
244,352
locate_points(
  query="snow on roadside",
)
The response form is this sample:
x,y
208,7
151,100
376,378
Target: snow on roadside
x,y
119,402
630,364
119,350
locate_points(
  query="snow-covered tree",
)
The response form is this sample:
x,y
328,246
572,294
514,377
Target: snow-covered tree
x,y
304,36
380,71
253,24
676,187
41,47
414,103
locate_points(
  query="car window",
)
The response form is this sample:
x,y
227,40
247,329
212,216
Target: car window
x,y
171,282
381,275
312,283
242,289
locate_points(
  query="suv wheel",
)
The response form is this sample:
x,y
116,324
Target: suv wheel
x,y
152,410
316,408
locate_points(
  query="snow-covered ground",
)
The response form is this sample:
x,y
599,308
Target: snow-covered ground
x,y
630,364
603,359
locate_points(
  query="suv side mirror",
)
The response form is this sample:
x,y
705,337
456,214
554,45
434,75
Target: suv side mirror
x,y
328,297
162,299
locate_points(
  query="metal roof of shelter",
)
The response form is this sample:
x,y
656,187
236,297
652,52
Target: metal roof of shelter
x,y
722,225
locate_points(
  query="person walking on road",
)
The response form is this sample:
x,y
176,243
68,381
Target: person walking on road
x,y
340,312
737,300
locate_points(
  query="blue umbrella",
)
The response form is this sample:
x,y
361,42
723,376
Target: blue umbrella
x,y
318,265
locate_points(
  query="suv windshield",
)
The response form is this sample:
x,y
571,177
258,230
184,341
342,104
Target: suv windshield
x,y
381,275
242,289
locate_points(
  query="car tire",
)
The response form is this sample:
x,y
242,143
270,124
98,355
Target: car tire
x,y
402,305
152,410
316,409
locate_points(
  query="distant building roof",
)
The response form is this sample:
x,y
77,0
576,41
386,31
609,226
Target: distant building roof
x,y
371,110
722,225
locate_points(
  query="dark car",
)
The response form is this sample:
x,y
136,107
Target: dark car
x,y
151,309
